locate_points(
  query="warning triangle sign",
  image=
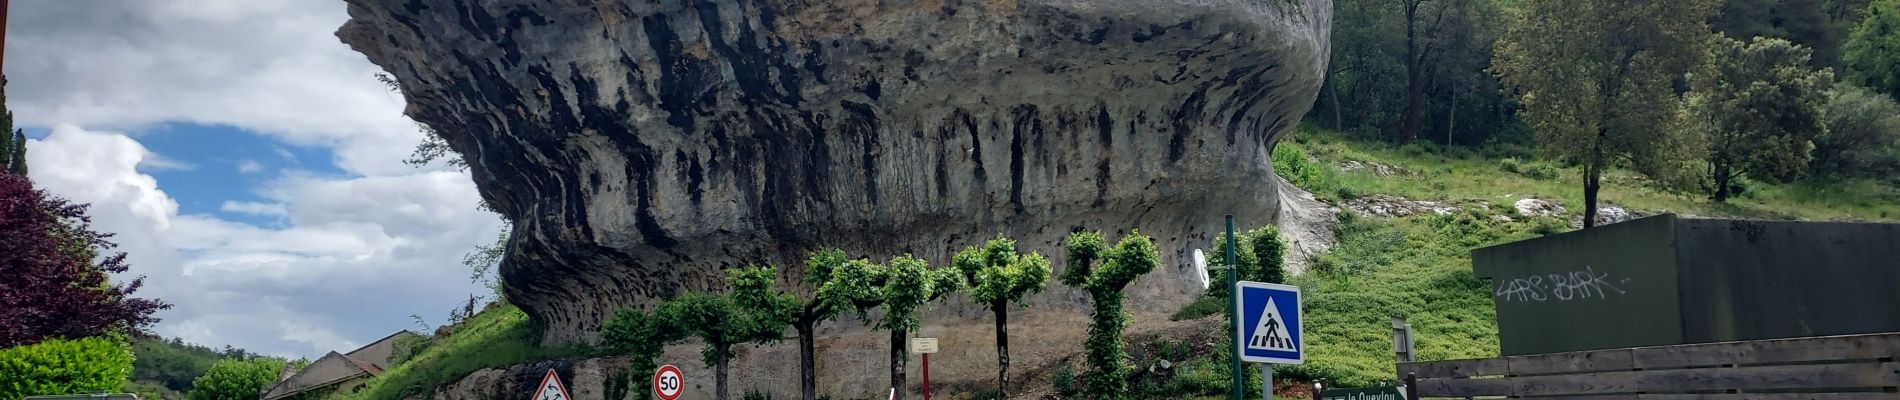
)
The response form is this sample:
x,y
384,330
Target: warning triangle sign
x,y
551,388
1270,333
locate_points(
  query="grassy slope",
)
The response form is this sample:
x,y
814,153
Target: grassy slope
x,y
1419,267
498,336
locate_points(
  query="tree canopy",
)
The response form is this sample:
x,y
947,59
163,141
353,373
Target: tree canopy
x,y
54,286
1873,49
1759,107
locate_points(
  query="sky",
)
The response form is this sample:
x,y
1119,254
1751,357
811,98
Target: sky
x,y
250,165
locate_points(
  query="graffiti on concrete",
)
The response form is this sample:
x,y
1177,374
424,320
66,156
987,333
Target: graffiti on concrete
x,y
1584,283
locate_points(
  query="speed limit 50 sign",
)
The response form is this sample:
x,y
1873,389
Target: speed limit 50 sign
x,y
669,382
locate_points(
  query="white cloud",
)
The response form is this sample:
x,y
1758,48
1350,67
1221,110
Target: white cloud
x,y
269,66
357,256
155,161
250,166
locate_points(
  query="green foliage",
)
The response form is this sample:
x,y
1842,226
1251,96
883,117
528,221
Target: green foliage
x,y
1759,111
59,366
1863,134
172,364
496,337
1802,22
1596,75
757,395
1064,379
1531,169
1104,272
1260,258
996,275
1873,49
641,337
407,347
1368,86
235,379
1201,306
12,141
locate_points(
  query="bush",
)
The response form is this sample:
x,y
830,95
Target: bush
x,y
757,395
59,367
1417,149
1064,379
235,379
1201,307
1541,171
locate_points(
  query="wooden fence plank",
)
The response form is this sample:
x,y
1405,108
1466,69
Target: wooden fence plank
x,y
1573,362
1811,376
1454,368
1590,383
1463,387
1871,346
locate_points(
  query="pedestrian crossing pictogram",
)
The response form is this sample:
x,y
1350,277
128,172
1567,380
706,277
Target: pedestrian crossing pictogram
x,y
1270,333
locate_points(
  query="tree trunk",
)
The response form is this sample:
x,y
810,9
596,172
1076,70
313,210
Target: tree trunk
x,y
1723,177
1332,89
719,375
1002,349
1592,180
807,358
1451,120
1414,74
899,361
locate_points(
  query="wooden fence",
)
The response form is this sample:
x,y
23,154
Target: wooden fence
x,y
1829,367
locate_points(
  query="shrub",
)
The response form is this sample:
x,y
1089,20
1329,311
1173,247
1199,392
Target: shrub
x,y
757,395
1416,149
1541,171
1201,307
1511,165
235,379
1064,379
58,367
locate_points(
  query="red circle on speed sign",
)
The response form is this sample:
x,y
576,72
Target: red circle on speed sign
x,y
669,382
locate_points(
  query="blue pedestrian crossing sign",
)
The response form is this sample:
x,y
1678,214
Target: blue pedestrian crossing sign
x,y
1270,323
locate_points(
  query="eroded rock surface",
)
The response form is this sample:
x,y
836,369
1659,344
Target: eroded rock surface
x,y
641,147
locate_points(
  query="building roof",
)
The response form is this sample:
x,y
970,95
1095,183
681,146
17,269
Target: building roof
x,y
334,368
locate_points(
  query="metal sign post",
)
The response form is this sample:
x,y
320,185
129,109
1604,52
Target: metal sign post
x,y
1233,305
924,346
1270,321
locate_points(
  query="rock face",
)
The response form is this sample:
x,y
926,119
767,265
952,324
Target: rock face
x,y
641,147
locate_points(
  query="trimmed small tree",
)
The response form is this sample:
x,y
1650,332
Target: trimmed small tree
x,y
997,276
899,288
812,310
641,336
1104,272
751,313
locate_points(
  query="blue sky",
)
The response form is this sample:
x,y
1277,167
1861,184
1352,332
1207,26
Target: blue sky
x,y
250,165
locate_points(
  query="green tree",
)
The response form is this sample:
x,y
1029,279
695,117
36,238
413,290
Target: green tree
x,y
909,283
641,336
1759,107
234,379
997,276
1873,49
1412,66
811,310
59,366
1104,272
12,141
752,313
1863,132
1260,258
1595,76
1808,23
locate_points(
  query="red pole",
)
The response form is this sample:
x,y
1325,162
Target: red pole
x,y
926,376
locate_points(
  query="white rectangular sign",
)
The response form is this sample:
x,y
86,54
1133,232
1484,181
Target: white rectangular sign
x,y
923,345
